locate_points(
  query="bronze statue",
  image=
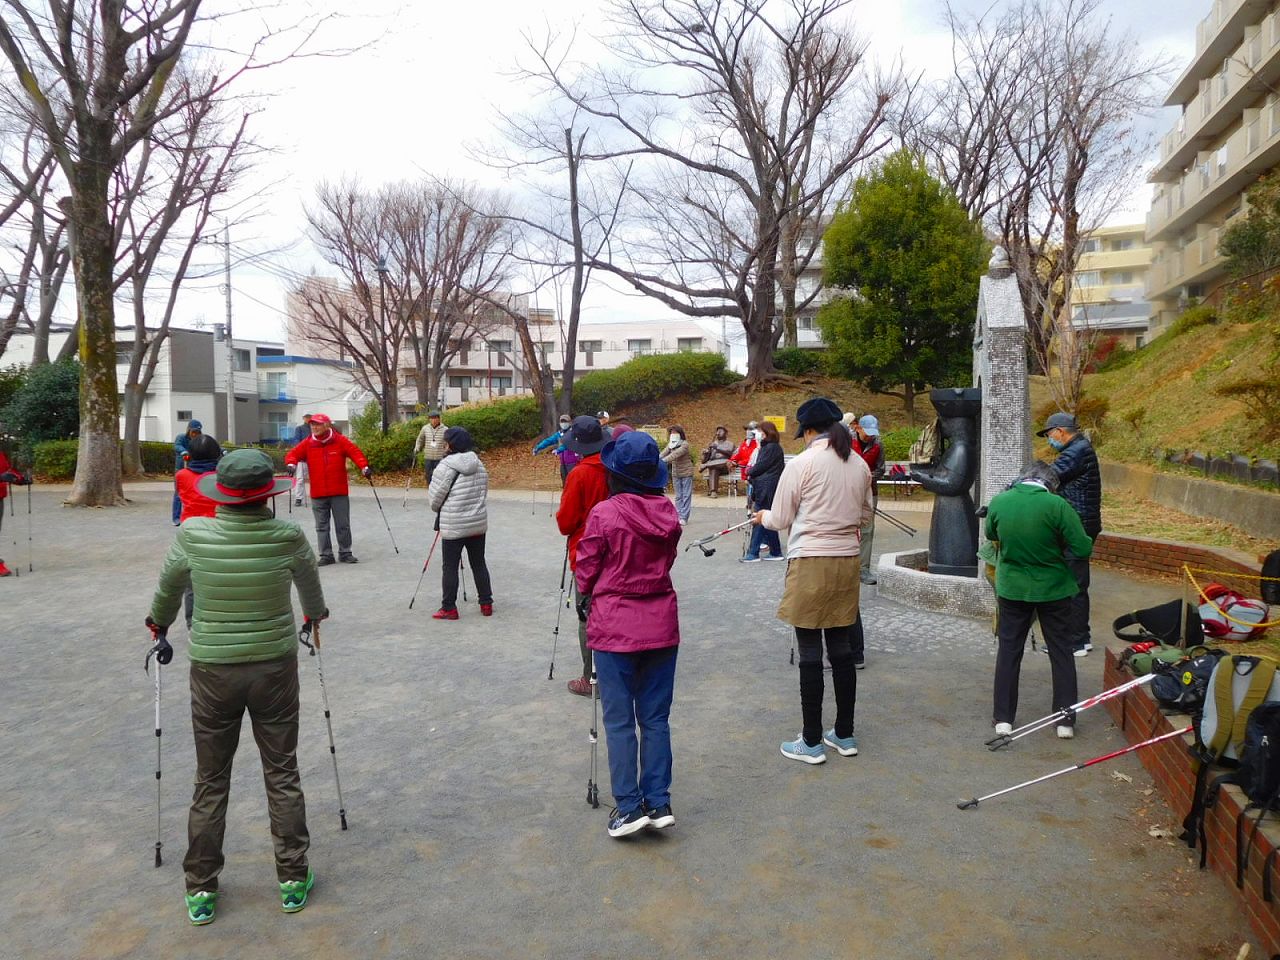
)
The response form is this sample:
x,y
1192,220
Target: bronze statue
x,y
953,533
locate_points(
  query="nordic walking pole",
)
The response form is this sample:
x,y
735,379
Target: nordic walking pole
x,y
904,527
425,563
966,804
163,653
378,500
462,571
1067,713
30,484
701,544
413,465
555,634
312,628
593,786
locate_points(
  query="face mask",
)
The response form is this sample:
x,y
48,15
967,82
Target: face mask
x,y
673,439
759,434
1056,444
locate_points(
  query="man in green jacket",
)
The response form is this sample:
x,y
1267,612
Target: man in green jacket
x,y
1032,526
244,656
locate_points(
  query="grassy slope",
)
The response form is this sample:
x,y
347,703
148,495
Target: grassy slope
x,y
1173,381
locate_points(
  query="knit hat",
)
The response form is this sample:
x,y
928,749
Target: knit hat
x,y
634,455
458,439
816,414
584,437
243,477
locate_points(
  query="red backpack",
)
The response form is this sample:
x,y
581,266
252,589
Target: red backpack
x,y
1228,615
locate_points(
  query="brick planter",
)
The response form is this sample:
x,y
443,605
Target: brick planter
x,y
1169,764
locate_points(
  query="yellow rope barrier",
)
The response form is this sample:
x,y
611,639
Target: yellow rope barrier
x,y
1229,573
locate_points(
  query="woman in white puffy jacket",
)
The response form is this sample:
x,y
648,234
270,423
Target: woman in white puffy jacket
x,y
459,494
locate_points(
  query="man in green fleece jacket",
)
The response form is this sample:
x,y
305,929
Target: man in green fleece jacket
x,y
1032,526
244,656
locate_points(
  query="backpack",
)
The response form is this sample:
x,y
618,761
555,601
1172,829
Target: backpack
x,y
1181,686
1229,616
1258,775
1238,685
1271,578
1149,657
928,445
1169,623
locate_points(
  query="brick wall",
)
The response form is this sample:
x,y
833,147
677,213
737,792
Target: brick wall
x,y
1164,558
1169,764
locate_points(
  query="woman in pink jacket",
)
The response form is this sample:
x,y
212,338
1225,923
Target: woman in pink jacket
x,y
633,628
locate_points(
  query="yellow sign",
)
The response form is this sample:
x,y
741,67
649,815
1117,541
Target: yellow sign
x,y
780,423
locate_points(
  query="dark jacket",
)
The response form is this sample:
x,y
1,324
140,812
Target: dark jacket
x,y
1077,470
764,474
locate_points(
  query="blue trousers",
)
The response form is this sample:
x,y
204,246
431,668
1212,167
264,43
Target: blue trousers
x,y
762,537
684,496
635,691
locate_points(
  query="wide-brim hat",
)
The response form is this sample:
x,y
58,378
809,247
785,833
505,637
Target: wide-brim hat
x,y
816,413
634,455
585,436
243,476
1057,420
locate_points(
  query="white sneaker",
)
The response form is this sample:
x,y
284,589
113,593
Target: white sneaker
x,y
1003,729
1066,733
1082,651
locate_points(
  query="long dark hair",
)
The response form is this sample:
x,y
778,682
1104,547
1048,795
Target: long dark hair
x,y
838,437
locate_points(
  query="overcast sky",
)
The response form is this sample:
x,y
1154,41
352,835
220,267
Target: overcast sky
x,y
429,88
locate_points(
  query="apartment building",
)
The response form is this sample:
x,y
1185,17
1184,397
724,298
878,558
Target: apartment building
x,y
1109,292
1228,134
272,390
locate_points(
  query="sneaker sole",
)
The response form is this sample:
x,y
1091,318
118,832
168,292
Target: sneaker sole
x,y
843,751
805,758
661,823
200,923
629,828
311,882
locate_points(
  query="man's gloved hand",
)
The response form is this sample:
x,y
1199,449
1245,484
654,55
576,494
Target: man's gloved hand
x,y
291,468
161,648
324,616
583,607
367,473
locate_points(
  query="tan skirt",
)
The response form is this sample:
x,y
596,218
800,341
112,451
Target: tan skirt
x,y
820,592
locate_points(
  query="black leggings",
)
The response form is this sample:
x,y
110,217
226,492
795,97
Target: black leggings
x,y
843,679
451,552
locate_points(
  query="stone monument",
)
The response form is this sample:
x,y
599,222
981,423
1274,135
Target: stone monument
x,y
1004,444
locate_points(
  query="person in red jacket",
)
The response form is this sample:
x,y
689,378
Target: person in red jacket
x,y
8,475
633,624
742,456
325,453
202,456
586,485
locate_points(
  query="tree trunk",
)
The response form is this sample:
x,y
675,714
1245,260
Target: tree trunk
x,y
130,451
787,281
70,346
97,480
909,402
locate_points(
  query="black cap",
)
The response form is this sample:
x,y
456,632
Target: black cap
x,y
1057,420
816,414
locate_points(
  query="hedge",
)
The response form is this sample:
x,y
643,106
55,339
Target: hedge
x,y
494,423
56,459
897,443
797,361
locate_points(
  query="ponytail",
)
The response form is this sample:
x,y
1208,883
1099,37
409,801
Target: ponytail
x,y
839,440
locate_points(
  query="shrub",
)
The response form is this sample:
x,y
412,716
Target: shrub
x,y
647,378
56,459
11,378
46,406
157,456
796,361
897,443
1090,413
1201,315
1120,357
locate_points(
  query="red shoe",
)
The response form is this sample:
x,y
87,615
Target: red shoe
x,y
486,609
445,615
6,572
580,685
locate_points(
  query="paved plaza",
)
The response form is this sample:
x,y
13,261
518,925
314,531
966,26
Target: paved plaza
x,y
465,770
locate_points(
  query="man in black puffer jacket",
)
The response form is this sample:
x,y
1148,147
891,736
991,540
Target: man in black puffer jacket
x,y
1077,470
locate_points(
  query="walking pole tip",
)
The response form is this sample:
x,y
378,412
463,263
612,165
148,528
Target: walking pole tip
x,y
966,804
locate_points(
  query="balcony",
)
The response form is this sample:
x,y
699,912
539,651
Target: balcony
x,y
1251,151
1253,69
1216,36
277,391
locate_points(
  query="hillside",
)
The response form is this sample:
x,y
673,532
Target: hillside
x,y
1164,399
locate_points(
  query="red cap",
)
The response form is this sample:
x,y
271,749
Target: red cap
x,y
321,418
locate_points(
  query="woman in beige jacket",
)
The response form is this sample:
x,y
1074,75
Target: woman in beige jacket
x,y
823,496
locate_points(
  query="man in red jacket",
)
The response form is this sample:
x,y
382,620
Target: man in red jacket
x,y
325,453
586,485
9,475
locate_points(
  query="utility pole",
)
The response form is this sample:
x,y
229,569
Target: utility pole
x,y
231,350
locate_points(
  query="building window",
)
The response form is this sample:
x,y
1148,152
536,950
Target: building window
x,y
688,344
1120,276
456,381
804,322
501,384
1089,278
546,348
1139,342
502,348
1124,244
185,415
240,360
638,347
1090,246
590,346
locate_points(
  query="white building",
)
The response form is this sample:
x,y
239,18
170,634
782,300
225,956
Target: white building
x,y
272,390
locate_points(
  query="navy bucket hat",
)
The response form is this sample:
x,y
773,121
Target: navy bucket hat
x,y
634,455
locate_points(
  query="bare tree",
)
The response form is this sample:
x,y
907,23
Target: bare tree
x,y
716,100
1038,133
95,76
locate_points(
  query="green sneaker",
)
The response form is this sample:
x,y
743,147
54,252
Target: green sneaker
x,y
200,906
293,893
